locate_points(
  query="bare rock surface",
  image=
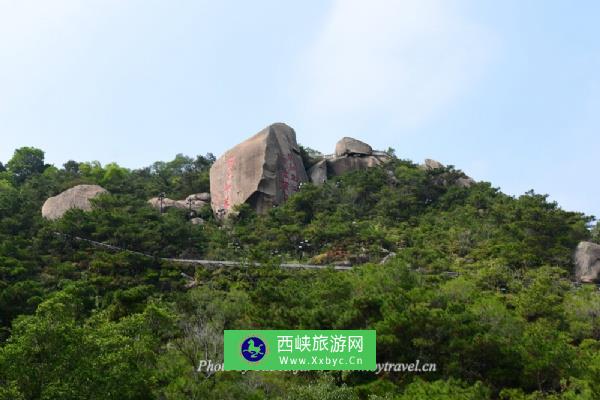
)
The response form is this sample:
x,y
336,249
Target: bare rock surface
x,y
341,165
587,262
318,172
76,197
262,171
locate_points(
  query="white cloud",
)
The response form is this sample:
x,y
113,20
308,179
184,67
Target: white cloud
x,y
398,59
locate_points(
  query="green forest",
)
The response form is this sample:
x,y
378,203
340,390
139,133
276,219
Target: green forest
x,y
474,280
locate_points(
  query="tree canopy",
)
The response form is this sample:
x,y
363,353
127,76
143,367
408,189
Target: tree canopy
x,y
475,281
26,162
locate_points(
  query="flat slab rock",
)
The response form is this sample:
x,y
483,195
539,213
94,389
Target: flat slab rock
x,y
190,202
587,262
205,197
262,171
77,197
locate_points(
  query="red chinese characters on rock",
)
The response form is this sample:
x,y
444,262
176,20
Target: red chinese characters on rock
x,y
289,180
228,187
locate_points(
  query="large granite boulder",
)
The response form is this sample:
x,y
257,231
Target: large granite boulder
x,y
262,171
587,262
77,197
348,146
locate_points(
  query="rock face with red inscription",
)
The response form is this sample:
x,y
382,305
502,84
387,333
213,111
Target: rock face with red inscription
x,y
262,171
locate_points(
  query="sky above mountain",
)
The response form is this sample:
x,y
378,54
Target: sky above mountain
x,y
507,91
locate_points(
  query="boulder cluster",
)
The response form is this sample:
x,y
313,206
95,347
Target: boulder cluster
x,y
266,169
350,155
262,171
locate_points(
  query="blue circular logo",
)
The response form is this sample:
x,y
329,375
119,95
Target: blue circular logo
x,y
253,349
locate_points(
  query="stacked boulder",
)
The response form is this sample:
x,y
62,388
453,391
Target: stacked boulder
x,y
263,171
350,155
77,197
348,146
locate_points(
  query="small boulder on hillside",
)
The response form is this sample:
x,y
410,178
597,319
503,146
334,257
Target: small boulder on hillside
x,y
430,164
351,146
464,181
76,197
587,262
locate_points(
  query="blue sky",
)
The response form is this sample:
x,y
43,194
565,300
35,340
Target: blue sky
x,y
508,91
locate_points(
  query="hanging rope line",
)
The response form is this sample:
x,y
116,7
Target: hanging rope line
x,y
206,263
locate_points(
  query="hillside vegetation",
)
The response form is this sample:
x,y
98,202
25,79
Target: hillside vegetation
x,y
476,281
